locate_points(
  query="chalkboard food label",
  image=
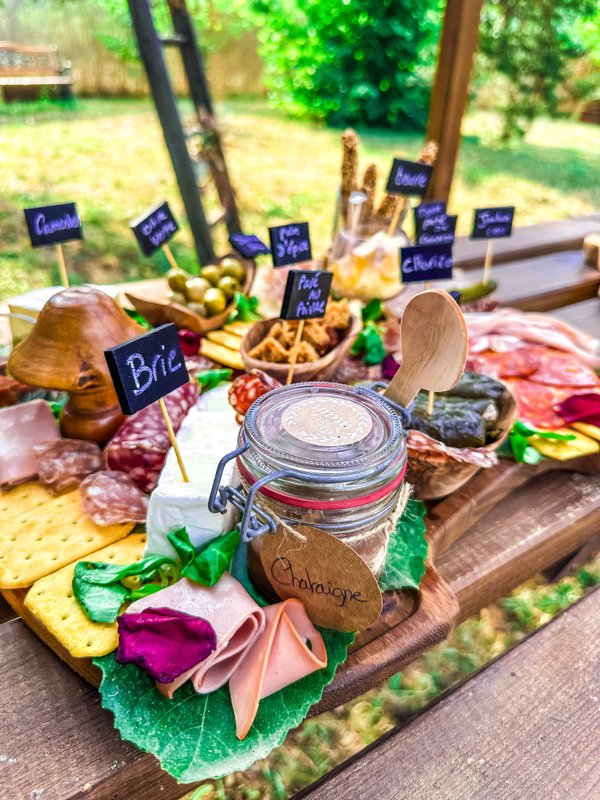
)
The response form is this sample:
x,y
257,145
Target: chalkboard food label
x,y
409,178
147,368
248,245
53,224
154,228
290,244
438,230
338,589
306,294
426,263
493,223
427,211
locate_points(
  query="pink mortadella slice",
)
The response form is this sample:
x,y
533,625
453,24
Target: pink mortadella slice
x,y
237,621
279,657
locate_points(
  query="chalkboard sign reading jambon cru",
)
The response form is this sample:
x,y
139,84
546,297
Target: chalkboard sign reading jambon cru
x,y
53,224
493,223
147,368
306,294
154,228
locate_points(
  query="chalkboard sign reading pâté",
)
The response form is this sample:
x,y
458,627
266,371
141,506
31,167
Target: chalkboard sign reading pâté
x,y
53,224
290,244
248,245
408,178
147,368
306,294
426,263
438,230
154,228
493,223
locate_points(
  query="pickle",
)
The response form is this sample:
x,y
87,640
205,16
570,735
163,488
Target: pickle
x,y
476,291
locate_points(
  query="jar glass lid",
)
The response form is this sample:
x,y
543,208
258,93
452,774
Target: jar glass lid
x,y
322,425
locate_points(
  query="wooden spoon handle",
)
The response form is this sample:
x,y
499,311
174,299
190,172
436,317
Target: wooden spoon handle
x,y
403,388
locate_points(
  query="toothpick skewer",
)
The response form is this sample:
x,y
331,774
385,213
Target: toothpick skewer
x,y
294,353
60,257
174,444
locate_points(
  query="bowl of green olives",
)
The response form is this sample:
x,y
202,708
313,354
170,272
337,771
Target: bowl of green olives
x,y
202,302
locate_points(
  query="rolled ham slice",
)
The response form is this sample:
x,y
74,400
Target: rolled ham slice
x,y
237,621
280,656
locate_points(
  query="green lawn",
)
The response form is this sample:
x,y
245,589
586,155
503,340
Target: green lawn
x,y
109,156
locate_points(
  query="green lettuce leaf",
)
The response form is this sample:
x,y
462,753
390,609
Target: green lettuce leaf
x,y
372,311
246,309
370,344
209,378
193,736
407,550
206,564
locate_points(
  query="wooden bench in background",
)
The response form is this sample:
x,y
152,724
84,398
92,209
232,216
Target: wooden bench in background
x,y
25,71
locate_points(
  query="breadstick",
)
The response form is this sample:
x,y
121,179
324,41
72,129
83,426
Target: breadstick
x,y
349,168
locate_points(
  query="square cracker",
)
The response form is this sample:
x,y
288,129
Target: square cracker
x,y
40,533
52,603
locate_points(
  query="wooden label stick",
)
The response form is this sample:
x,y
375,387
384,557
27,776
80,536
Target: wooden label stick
x,y
430,402
174,444
170,258
487,265
294,353
62,267
395,218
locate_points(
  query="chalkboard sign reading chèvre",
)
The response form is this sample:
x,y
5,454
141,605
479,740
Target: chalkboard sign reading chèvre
x,y
493,223
53,224
154,228
408,178
306,294
290,244
426,263
248,245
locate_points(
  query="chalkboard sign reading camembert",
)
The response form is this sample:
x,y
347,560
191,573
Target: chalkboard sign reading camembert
x,y
493,223
147,368
306,294
426,263
53,224
438,230
154,228
408,178
290,244
248,245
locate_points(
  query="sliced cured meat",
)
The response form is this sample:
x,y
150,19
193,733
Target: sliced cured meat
x,y
247,388
21,427
290,648
237,621
519,363
535,403
64,463
141,444
557,369
422,443
110,498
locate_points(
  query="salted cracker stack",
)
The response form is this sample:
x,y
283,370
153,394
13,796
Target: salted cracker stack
x,y
50,600
40,533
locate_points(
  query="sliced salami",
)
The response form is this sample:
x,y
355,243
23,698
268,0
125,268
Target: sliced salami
x,y
64,463
519,363
557,369
110,498
535,403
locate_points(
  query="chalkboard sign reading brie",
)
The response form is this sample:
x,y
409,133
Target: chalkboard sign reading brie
x,y
147,368
290,244
248,245
154,228
306,294
409,178
53,224
426,263
438,230
493,223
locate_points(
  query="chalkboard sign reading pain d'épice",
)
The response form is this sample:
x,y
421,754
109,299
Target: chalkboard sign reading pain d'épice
x,y
493,223
53,224
147,368
154,228
426,263
290,244
306,294
408,178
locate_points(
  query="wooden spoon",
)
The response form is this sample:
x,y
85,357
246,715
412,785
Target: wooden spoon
x,y
434,347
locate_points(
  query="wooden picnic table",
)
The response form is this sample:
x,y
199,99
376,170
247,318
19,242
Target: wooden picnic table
x,y
482,548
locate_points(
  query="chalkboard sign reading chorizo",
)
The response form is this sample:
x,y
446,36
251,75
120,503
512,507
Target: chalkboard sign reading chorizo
x,y
53,224
408,178
493,223
306,294
438,230
154,228
147,368
290,244
248,245
426,263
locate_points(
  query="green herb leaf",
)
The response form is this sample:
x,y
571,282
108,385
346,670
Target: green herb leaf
x,y
193,736
209,378
246,309
206,564
370,344
372,311
407,550
137,317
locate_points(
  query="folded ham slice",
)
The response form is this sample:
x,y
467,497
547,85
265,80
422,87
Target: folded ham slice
x,y
237,621
280,656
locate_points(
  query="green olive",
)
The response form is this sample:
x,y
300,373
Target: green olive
x,y
176,297
212,273
176,278
197,308
195,289
233,268
215,302
229,286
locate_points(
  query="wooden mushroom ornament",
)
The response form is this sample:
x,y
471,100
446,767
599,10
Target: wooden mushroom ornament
x,y
65,352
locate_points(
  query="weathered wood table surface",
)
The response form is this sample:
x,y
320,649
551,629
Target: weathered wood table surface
x,y
57,740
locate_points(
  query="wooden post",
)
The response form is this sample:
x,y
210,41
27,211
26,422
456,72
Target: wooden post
x,y
487,266
170,257
62,267
458,44
294,353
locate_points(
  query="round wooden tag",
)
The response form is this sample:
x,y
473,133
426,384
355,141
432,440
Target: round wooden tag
x,y
337,588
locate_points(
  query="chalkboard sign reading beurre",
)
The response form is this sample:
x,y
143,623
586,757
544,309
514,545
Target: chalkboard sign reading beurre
x,y
53,224
408,178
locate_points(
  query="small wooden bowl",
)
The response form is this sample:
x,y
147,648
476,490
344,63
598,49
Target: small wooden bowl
x,y
435,475
158,310
311,371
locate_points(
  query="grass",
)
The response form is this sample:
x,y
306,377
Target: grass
x,y
109,157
